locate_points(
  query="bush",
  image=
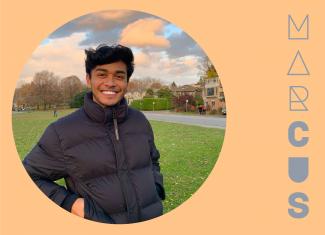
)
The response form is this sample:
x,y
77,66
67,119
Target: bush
x,y
78,100
179,103
199,100
147,104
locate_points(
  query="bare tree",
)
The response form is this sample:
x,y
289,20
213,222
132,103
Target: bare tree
x,y
207,69
141,85
156,85
70,86
45,89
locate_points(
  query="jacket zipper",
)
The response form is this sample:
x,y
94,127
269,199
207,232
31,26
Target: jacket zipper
x,y
124,191
115,125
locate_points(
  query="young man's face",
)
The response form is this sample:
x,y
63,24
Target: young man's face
x,y
108,83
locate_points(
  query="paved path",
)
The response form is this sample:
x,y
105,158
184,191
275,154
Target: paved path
x,y
197,120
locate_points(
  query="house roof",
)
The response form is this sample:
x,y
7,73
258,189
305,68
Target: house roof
x,y
186,88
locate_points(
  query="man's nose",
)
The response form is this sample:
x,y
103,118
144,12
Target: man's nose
x,y
109,80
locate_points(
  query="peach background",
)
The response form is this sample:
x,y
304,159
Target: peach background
x,y
247,191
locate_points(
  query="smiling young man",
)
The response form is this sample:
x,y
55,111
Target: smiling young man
x,y
105,151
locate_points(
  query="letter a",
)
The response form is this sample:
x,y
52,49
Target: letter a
x,y
298,66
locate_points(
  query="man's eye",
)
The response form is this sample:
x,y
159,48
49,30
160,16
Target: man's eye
x,y
101,75
119,77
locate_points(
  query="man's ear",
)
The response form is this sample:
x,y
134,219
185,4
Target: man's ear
x,y
88,81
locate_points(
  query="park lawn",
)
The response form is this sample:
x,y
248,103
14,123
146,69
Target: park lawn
x,y
188,153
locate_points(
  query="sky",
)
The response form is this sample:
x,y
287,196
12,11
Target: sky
x,y
161,49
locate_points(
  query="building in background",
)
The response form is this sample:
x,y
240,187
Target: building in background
x,y
192,90
213,95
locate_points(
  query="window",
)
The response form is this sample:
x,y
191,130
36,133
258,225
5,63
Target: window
x,y
210,91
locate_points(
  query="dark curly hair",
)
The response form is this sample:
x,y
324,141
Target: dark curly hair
x,y
105,54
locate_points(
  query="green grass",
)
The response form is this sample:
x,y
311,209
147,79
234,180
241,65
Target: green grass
x,y
188,153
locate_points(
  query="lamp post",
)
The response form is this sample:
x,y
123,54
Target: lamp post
x,y
153,106
186,105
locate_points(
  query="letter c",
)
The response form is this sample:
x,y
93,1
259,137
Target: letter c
x,y
292,137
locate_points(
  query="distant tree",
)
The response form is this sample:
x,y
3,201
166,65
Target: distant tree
x,y
149,93
165,92
26,96
141,85
149,81
70,86
23,96
207,69
136,85
173,85
45,89
156,85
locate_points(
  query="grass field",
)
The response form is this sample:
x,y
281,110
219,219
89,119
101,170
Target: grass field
x,y
188,153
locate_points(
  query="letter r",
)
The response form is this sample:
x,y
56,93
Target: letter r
x,y
297,97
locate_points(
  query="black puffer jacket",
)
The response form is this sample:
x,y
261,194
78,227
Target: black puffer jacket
x,y
112,164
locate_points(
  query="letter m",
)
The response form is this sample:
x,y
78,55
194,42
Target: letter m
x,y
298,33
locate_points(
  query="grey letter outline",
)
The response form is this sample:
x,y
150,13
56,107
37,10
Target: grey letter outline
x,y
290,19
291,88
294,61
298,168
304,208
292,131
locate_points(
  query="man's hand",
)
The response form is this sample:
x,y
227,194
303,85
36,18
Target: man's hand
x,y
78,207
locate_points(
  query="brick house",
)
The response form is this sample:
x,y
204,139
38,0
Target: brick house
x,y
212,94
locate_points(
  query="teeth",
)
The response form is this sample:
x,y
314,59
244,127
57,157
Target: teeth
x,y
109,92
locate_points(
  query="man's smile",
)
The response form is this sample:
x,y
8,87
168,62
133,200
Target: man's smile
x,y
109,92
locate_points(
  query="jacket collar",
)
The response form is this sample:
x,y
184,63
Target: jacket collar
x,y
105,115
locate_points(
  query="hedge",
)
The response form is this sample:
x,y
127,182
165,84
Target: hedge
x,y
147,104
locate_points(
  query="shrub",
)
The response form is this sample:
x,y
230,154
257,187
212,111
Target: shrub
x,y
179,102
78,99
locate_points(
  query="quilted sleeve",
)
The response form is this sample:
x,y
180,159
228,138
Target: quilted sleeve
x,y
45,164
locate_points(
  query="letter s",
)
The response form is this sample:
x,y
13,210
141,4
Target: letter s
x,y
302,206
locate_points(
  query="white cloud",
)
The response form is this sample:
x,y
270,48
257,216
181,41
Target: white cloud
x,y
114,14
182,70
141,59
61,56
144,32
64,57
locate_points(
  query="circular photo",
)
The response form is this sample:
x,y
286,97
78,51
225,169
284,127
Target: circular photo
x,y
119,116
